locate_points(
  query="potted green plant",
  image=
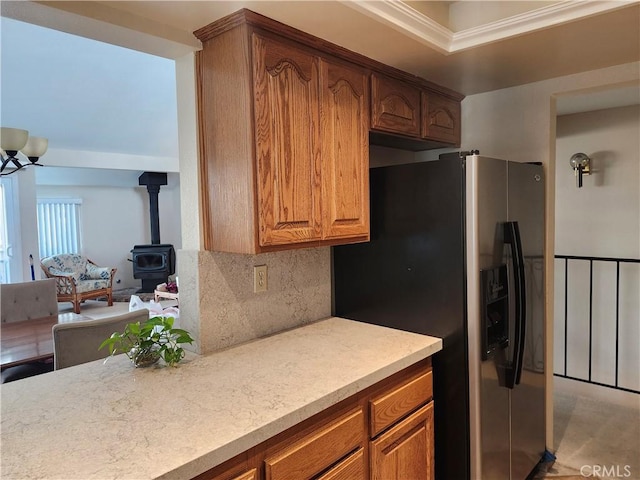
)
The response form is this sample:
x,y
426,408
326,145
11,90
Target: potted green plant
x,y
146,343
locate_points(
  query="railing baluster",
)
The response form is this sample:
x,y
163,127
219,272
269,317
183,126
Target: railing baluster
x,y
618,261
590,315
617,315
566,311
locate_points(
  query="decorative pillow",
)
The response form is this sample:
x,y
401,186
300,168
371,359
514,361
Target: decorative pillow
x,y
75,276
91,285
96,273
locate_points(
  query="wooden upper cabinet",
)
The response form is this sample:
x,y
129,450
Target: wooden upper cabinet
x,y
395,106
345,151
284,130
405,109
284,145
441,118
287,118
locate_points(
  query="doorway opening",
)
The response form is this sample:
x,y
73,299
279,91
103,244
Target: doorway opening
x,y
597,281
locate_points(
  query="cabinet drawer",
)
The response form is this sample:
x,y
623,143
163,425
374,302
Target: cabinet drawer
x,y
351,468
319,450
250,475
391,406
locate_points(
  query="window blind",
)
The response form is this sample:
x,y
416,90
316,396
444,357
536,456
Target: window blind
x,y
58,226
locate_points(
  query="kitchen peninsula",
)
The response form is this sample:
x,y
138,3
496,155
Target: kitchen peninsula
x,y
109,420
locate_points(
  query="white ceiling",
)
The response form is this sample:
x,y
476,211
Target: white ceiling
x,y
623,96
84,94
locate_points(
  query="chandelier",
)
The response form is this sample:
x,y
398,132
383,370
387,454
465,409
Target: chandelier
x,y
14,140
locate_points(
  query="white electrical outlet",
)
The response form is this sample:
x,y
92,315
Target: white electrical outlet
x,y
259,278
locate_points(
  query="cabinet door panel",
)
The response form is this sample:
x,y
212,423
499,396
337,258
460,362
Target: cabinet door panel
x,y
287,143
395,106
345,151
441,118
406,450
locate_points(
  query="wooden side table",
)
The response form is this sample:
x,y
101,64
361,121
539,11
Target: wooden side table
x,y
158,294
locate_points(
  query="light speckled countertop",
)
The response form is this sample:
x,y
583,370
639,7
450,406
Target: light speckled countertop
x,y
108,421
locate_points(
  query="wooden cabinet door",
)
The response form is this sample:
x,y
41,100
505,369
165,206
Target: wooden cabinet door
x,y
395,106
441,120
287,118
405,450
345,151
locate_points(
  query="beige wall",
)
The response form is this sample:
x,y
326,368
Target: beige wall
x,y
519,123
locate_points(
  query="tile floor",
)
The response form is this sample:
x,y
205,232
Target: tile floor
x,y
595,439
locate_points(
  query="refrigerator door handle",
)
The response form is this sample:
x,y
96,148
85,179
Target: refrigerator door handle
x,y
512,238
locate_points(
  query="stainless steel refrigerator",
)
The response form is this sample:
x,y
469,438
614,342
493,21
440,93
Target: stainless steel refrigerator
x,y
456,251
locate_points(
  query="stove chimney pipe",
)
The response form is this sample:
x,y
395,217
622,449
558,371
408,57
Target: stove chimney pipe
x,y
153,182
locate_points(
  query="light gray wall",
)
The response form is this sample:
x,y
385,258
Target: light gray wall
x,y
600,219
115,217
603,217
25,184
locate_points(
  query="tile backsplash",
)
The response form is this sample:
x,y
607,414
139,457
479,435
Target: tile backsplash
x,y
299,291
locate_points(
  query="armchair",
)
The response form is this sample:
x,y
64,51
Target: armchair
x,y
78,278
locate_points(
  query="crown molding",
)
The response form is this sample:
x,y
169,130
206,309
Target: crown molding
x,y
540,18
406,20
414,24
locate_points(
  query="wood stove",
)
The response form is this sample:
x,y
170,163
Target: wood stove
x,y
155,262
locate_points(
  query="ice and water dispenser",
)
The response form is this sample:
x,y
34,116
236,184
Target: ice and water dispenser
x,y
494,309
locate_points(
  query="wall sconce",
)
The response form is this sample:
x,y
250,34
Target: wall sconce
x,y
581,165
13,140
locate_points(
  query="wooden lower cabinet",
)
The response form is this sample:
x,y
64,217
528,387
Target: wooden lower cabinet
x,y
382,433
351,468
250,475
405,451
317,451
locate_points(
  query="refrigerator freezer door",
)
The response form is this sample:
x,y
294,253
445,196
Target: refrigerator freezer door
x,y
526,206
